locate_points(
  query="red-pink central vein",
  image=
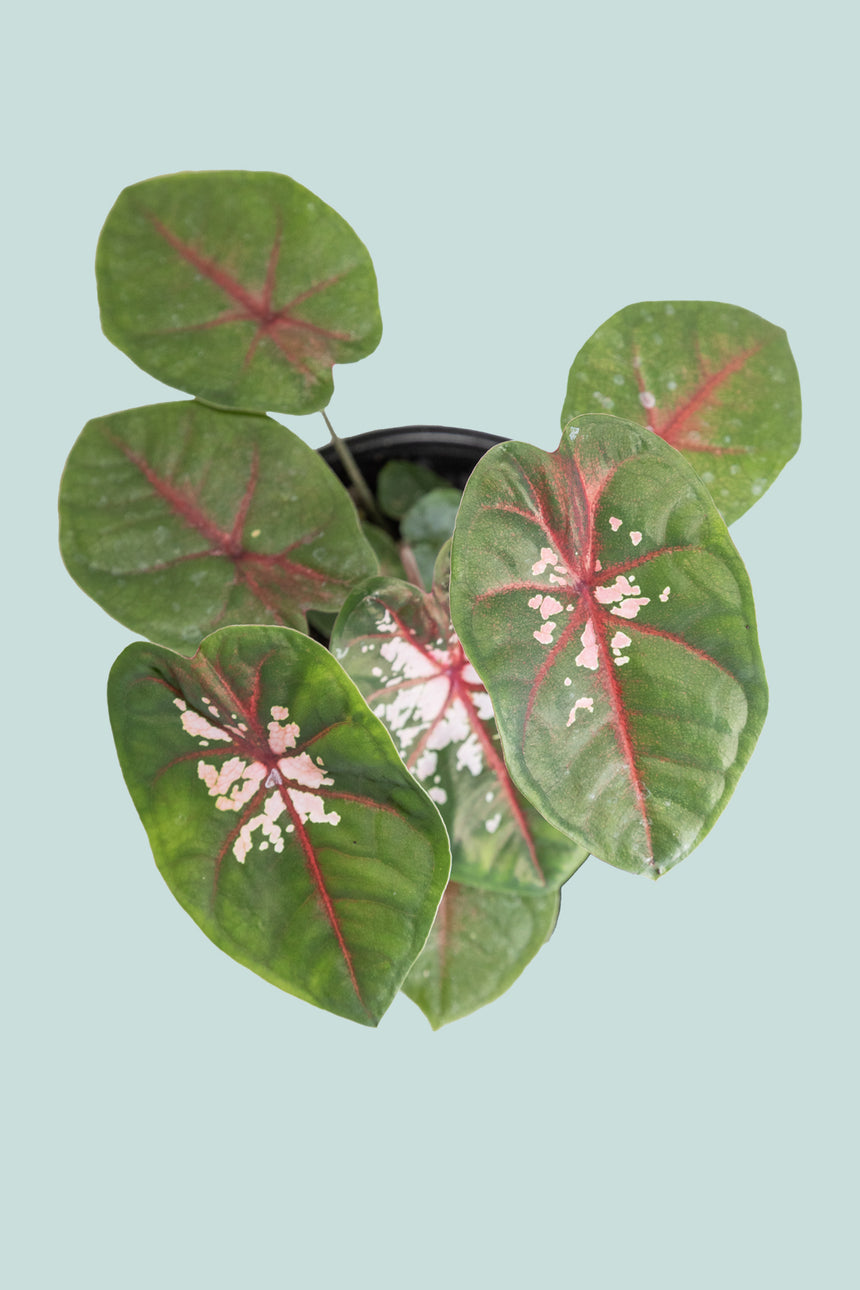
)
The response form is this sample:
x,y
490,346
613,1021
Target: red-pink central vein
x,y
674,426
257,305
179,501
623,732
322,891
225,543
500,771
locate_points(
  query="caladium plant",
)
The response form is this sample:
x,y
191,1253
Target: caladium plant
x,y
383,716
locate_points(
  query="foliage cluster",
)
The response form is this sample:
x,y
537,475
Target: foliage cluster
x,y
372,733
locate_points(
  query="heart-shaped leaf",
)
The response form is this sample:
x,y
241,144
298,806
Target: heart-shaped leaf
x,y
279,813
398,645
240,287
480,943
599,597
179,518
715,381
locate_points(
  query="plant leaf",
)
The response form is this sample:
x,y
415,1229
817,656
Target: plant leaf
x,y
279,813
385,549
599,597
402,483
715,381
179,518
427,526
480,943
398,645
240,287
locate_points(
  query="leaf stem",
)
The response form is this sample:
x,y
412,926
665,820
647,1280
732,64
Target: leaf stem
x,y
356,478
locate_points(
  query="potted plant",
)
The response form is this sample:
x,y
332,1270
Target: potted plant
x,y
380,720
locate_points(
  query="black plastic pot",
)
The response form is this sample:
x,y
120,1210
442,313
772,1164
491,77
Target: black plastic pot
x,y
449,450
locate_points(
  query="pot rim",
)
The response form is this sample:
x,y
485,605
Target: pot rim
x,y
458,448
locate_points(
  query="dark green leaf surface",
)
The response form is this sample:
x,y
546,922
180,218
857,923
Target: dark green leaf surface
x,y
402,483
386,550
179,518
480,943
279,813
427,526
715,381
600,599
240,287
398,645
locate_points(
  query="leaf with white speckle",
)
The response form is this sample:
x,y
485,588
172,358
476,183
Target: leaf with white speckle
x,y
399,647
279,813
626,678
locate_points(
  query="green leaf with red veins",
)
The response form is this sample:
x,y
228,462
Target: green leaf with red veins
x,y
240,287
179,519
480,943
715,381
279,813
398,646
599,597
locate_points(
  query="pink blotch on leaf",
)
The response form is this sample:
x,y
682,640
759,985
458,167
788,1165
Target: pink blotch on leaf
x,y
301,770
200,728
282,737
620,588
229,776
547,556
587,704
588,656
630,608
310,807
265,821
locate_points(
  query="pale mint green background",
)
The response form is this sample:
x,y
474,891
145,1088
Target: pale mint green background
x,y
667,1099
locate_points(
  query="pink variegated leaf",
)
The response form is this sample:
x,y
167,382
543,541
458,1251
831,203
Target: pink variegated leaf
x,y
600,599
398,646
279,813
717,382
